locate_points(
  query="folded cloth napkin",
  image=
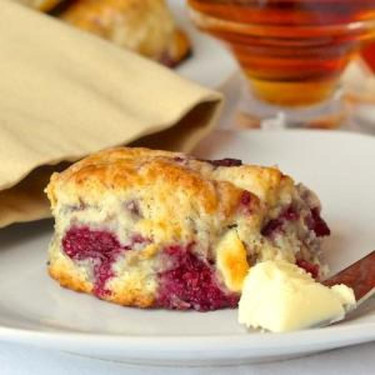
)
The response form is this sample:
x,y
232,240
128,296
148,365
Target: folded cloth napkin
x,y
65,94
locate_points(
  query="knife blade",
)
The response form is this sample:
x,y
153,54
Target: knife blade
x,y
360,276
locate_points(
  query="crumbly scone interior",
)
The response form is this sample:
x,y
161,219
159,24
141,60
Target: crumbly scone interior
x,y
288,226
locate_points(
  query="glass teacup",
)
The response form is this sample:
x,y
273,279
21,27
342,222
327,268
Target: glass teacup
x,y
368,54
292,52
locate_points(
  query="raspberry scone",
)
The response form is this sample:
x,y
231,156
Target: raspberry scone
x,y
148,228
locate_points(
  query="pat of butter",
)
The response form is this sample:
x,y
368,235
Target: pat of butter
x,y
279,296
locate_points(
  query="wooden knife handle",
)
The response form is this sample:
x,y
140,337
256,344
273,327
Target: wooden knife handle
x,y
360,276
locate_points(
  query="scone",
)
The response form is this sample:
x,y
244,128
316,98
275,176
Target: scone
x,y
147,228
146,26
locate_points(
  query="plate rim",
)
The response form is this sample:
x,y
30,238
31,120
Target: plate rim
x,y
164,350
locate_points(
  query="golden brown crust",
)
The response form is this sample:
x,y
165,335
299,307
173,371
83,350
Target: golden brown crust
x,y
43,5
132,295
67,276
180,47
146,26
127,295
267,183
127,168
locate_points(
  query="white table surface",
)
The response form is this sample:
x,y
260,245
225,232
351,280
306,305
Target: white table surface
x,y
23,360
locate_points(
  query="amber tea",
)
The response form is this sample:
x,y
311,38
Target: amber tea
x,y
292,51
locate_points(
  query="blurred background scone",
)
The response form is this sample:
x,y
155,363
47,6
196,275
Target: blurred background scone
x,y
146,27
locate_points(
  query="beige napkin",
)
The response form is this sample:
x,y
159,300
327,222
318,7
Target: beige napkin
x,y
65,94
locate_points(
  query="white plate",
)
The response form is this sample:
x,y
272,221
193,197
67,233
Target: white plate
x,y
35,310
211,64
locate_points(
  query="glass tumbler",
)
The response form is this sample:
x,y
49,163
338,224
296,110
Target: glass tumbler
x,y
292,53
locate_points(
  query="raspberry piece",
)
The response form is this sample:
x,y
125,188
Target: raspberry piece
x,y
246,198
102,248
317,224
81,243
275,225
290,214
191,284
271,227
228,162
311,268
179,159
